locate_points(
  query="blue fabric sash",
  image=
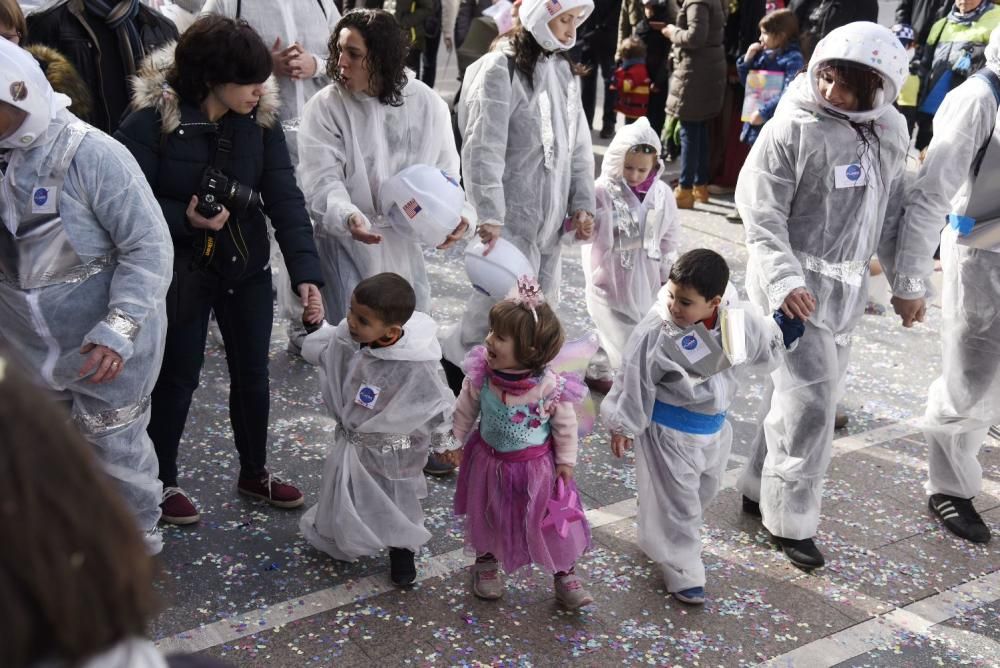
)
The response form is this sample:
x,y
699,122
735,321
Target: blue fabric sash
x,y
687,421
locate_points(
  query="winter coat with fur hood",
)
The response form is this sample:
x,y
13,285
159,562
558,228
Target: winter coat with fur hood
x,y
174,142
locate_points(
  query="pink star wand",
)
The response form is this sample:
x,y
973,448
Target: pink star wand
x,y
562,509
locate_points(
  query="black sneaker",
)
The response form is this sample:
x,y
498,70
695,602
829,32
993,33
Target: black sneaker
x,y
840,420
802,553
607,133
402,570
751,507
436,467
959,517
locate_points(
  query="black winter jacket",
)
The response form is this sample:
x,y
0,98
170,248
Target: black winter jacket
x,y
174,142
66,28
921,15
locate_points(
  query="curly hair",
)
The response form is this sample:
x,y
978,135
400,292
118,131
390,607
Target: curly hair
x,y
527,51
387,44
214,51
75,578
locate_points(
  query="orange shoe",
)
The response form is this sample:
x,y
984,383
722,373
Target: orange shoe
x,y
700,194
684,197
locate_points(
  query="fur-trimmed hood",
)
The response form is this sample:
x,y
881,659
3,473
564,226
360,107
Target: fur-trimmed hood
x,y
63,78
151,90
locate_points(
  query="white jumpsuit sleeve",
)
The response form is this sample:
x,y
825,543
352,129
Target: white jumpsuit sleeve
x,y
124,205
764,194
628,407
487,113
962,125
322,168
581,185
670,241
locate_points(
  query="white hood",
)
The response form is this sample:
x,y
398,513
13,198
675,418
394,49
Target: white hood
x,y
631,135
419,342
867,44
536,14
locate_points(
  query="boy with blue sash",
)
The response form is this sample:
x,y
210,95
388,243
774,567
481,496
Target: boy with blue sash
x,y
678,378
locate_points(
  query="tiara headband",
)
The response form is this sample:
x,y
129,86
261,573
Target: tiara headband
x,y
527,293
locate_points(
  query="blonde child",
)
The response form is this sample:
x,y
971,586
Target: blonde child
x,y
526,440
677,416
636,236
380,376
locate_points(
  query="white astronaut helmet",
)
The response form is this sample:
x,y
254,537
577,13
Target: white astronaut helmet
x,y
496,273
423,204
536,14
24,86
870,45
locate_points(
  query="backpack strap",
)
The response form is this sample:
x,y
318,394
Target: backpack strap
x,y
991,78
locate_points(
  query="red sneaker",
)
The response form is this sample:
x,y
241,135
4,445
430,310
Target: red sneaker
x,y
177,507
272,489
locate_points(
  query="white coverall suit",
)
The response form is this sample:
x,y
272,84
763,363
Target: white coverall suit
x,y
965,399
814,195
678,469
85,257
349,145
527,163
634,245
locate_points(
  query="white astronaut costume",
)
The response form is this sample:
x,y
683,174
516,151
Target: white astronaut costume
x,y
85,257
679,468
634,245
813,197
527,158
390,405
965,399
349,145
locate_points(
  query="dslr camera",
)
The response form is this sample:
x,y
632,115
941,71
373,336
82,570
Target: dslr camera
x,y
218,190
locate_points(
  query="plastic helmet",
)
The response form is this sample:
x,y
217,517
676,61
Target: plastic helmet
x,y
870,45
536,14
24,86
495,274
423,204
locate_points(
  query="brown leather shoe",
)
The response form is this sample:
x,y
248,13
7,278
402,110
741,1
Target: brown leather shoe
x,y
700,194
684,198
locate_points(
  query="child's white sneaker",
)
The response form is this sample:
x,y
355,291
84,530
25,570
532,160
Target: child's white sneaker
x,y
486,580
571,593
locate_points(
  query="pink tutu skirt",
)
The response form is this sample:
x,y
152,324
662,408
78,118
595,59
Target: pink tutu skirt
x,y
503,497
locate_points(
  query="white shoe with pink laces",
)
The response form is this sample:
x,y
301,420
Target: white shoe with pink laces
x,y
571,593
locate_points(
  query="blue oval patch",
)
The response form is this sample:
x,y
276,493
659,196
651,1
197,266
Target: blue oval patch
x,y
853,172
41,196
689,342
367,395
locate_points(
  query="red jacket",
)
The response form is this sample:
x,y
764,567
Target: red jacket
x,y
632,84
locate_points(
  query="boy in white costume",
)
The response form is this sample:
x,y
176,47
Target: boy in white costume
x,y
381,380
677,416
636,238
965,400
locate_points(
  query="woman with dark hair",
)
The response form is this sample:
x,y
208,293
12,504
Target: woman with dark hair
x,y
369,124
820,194
527,158
204,130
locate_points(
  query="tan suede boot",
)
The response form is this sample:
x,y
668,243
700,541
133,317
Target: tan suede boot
x,y
684,197
700,194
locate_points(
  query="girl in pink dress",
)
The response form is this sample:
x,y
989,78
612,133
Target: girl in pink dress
x,y
526,441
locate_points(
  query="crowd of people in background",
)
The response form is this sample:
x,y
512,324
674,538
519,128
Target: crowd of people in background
x,y
170,167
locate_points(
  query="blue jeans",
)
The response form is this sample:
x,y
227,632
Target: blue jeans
x,y
694,154
245,314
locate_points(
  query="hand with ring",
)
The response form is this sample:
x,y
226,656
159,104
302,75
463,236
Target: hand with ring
x,y
104,363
